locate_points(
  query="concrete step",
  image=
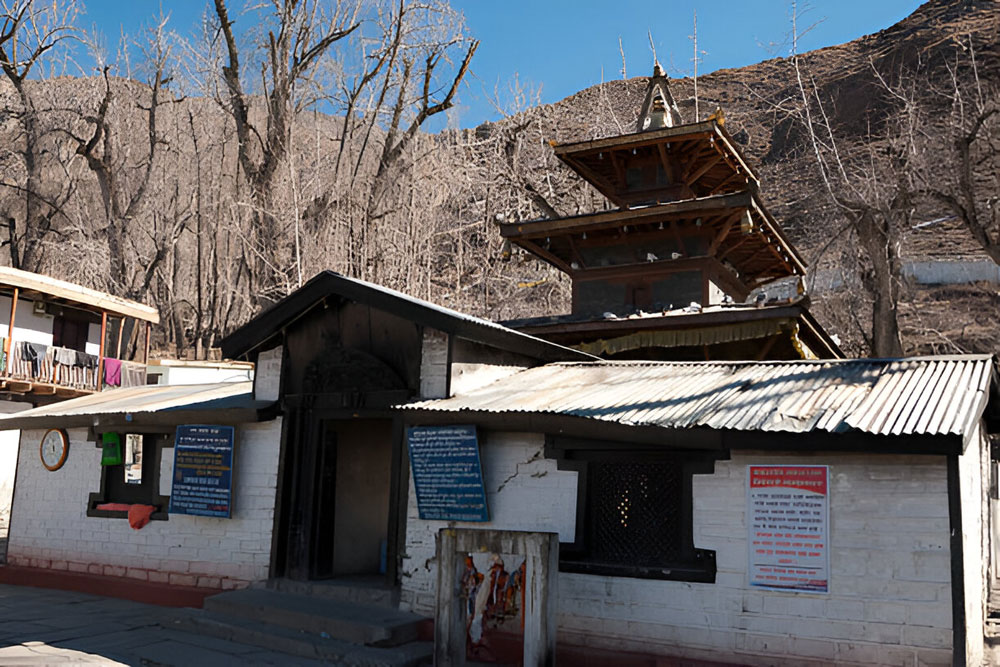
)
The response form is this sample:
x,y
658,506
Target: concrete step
x,y
299,643
363,590
370,625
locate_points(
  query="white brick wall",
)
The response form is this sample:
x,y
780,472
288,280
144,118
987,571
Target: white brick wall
x,y
50,528
890,599
434,364
974,475
524,491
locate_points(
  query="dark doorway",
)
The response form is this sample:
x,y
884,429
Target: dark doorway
x,y
335,515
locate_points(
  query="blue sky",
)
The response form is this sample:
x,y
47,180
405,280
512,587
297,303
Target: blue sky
x,y
563,46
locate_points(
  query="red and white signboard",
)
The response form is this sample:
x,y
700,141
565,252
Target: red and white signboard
x,y
788,516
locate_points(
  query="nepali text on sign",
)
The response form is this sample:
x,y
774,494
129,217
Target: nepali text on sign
x,y
203,471
447,473
788,522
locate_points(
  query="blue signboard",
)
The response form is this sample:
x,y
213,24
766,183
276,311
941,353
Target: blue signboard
x,y
203,471
447,473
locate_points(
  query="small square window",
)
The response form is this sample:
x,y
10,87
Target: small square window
x,y
634,515
135,480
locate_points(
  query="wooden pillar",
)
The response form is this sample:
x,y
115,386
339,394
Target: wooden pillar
x,y
8,344
100,354
121,328
145,354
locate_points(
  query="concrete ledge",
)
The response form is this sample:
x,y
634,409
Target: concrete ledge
x,y
163,594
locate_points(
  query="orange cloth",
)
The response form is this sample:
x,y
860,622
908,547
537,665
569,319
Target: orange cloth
x,y
138,515
113,507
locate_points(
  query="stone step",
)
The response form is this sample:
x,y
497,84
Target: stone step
x,y
298,643
370,625
363,590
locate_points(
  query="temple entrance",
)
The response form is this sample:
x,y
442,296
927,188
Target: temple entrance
x,y
336,517
353,515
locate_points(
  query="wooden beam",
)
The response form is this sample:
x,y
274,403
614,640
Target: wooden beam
x,y
100,354
723,233
145,354
732,248
545,255
589,221
118,347
668,166
10,330
597,180
43,389
638,139
735,176
18,386
701,170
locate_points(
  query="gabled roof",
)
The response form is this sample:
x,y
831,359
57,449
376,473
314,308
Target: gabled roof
x,y
920,396
715,163
328,285
36,285
224,402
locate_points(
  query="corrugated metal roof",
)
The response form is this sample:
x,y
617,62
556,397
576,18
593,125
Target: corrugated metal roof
x,y
920,395
138,400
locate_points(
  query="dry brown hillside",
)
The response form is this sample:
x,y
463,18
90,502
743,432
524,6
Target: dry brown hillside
x,y
430,230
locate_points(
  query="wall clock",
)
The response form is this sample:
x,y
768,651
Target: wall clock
x,y
54,448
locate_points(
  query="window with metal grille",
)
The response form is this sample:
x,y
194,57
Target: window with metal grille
x,y
635,516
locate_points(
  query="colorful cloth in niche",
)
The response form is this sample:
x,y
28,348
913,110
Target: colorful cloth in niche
x,y
112,372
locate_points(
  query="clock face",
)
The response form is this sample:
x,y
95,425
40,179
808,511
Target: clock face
x,y
53,449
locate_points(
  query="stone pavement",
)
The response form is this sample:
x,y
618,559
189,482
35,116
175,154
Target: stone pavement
x,y
49,627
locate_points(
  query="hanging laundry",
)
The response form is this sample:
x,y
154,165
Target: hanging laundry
x,y
112,372
34,354
64,356
84,360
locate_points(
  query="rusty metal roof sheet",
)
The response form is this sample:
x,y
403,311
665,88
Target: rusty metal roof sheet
x,y
920,395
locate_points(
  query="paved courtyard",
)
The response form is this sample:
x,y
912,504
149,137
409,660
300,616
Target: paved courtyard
x,y
48,627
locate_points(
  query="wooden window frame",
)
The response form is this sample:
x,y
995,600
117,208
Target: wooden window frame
x,y
154,444
697,565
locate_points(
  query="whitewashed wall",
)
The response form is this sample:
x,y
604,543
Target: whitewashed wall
x,y
974,475
890,599
524,491
50,528
32,328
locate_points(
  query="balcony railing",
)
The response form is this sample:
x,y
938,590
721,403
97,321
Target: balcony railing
x,y
63,371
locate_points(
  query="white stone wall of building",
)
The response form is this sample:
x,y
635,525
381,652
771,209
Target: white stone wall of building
x,y
524,491
890,581
50,528
974,475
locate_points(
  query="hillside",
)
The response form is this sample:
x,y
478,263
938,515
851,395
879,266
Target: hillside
x,y
428,228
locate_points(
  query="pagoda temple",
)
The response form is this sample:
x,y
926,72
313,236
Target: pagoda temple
x,y
667,275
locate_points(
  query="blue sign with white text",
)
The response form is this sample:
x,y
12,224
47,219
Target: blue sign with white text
x,y
447,473
203,471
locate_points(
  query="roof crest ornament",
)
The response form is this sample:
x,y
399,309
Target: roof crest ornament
x,y
658,109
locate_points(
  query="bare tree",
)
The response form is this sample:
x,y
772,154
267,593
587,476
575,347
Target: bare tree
x,y
29,29
300,34
126,178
